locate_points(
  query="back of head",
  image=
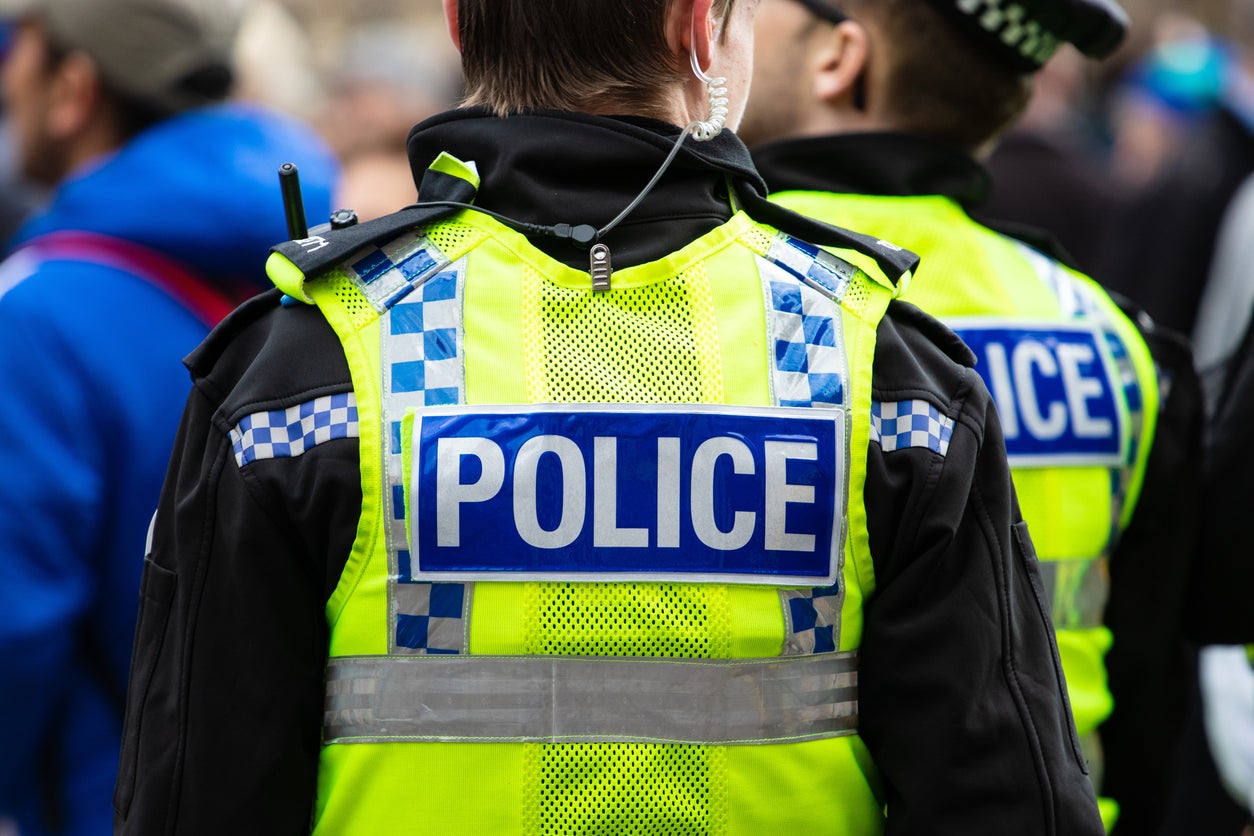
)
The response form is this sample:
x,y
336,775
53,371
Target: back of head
x,y
960,70
159,56
578,55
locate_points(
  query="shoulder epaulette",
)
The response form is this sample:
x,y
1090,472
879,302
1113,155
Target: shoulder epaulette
x,y
446,187
893,260
327,247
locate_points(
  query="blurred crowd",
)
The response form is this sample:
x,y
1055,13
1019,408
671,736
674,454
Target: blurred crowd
x,y
1097,139
1136,166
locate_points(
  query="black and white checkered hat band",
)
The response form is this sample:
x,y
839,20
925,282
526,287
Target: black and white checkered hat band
x,y
1009,24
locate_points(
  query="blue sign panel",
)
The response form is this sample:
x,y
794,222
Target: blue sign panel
x,y
701,494
1055,393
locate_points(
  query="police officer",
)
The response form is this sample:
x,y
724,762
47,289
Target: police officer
x,y
585,496
875,114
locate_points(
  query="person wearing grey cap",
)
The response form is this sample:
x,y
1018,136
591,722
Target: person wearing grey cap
x,y
876,114
164,201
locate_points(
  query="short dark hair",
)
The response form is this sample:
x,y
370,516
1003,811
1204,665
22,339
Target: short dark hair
x,y
568,54
940,83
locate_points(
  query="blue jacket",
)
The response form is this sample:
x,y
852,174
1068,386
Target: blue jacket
x,y
91,390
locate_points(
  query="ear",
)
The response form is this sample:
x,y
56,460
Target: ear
x,y
76,97
840,63
690,29
450,17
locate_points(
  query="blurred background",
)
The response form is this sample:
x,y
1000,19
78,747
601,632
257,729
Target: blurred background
x,y
363,73
1097,135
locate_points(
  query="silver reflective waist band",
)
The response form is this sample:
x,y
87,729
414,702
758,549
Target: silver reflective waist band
x,y
563,699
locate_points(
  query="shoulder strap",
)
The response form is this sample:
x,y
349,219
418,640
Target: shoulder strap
x,y
195,293
893,260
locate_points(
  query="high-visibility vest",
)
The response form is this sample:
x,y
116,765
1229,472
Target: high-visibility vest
x,y
1075,389
612,554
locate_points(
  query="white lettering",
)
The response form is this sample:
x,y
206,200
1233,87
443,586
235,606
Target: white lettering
x,y
702,499
452,493
780,493
668,493
1002,389
1080,389
605,530
313,243
1043,427
527,491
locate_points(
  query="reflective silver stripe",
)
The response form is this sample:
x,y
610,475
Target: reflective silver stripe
x,y
1078,590
562,699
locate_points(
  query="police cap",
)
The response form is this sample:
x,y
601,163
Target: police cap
x,y
1027,32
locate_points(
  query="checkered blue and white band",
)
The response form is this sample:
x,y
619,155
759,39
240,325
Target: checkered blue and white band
x,y
900,425
290,432
422,354
804,286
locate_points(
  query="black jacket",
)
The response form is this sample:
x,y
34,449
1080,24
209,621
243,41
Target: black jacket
x,y
962,704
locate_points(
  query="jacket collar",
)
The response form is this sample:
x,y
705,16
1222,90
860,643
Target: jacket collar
x,y
886,164
546,167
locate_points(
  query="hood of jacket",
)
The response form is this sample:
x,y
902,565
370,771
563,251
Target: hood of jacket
x,y
201,188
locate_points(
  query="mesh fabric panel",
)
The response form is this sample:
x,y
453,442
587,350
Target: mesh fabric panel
x,y
606,347
624,789
757,239
656,343
452,238
857,295
628,619
361,313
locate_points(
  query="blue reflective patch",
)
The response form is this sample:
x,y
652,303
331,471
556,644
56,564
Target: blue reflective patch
x,y
372,266
1055,394
709,494
409,377
416,264
406,319
440,344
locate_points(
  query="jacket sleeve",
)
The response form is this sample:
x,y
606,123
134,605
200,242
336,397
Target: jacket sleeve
x,y
224,708
49,513
963,705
